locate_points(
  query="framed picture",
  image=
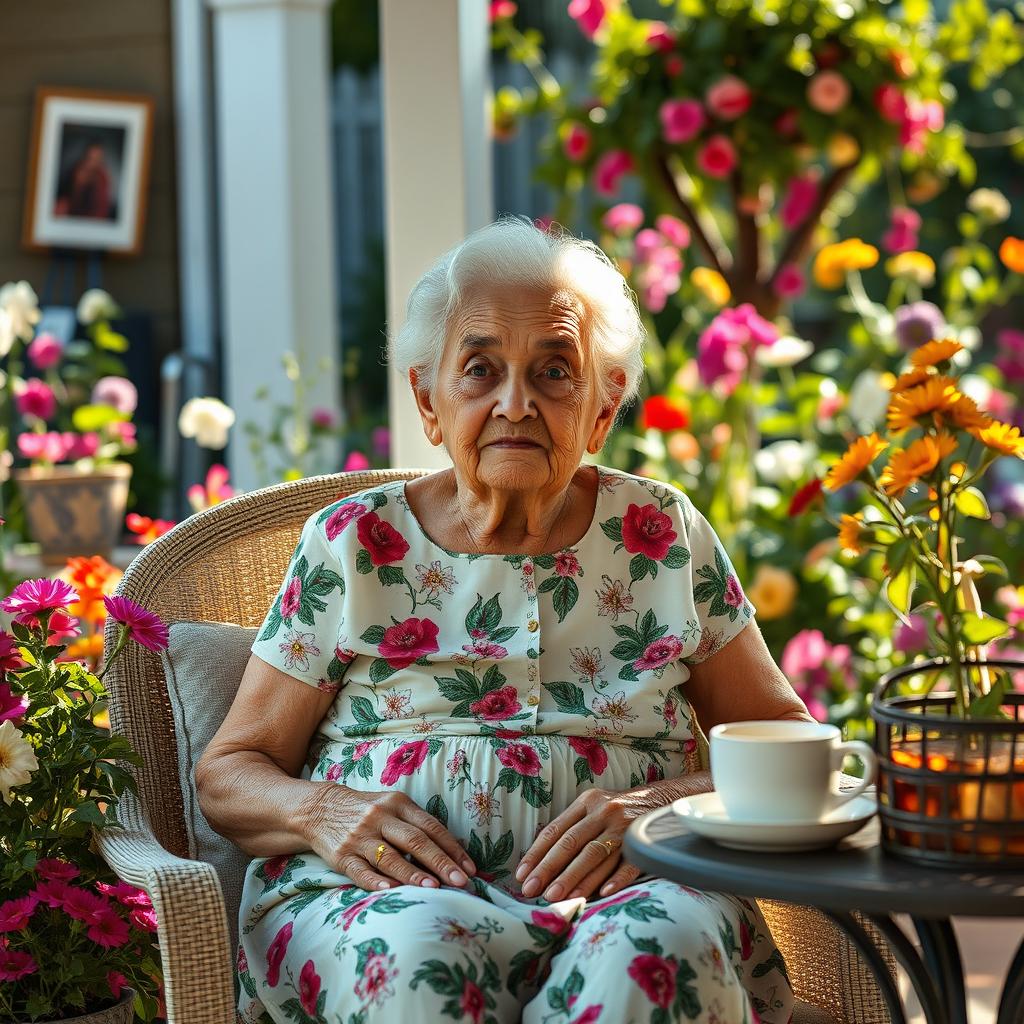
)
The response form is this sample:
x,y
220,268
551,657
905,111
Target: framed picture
x,y
88,171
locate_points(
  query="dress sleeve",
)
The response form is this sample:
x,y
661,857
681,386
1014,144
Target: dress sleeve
x,y
722,608
300,632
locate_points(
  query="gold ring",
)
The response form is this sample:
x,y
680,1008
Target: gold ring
x,y
608,845
380,852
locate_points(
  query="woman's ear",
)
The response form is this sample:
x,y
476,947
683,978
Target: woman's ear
x,y
606,417
428,415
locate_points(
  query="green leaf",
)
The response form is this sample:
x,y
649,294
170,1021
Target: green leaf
x,y
612,528
364,563
565,596
971,502
676,557
639,566
899,590
389,575
373,635
380,670
897,555
95,417
88,812
977,629
988,705
436,806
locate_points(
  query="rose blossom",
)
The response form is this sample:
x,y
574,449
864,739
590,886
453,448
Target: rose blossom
x,y
339,519
404,761
647,531
659,653
472,1004
384,543
275,954
45,351
828,92
610,170
309,988
623,218
576,143
567,564
728,98
36,399
674,230
589,15
718,157
291,599
656,976
407,641
118,392
592,751
497,704
549,921
521,758
681,120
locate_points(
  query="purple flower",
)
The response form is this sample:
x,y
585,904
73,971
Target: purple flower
x,y
144,627
116,391
30,598
917,323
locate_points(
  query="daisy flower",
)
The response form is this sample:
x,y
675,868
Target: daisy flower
x,y
297,648
144,627
34,597
854,461
907,467
17,760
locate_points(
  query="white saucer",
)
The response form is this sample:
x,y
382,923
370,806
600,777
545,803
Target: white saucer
x,y
705,815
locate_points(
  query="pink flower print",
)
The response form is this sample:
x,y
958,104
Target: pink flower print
x,y
375,985
472,1002
309,988
746,942
384,543
291,599
275,954
733,592
406,641
613,598
485,649
521,758
362,749
457,763
567,564
647,531
404,761
297,648
274,868
614,901
549,921
656,976
659,653
668,712
334,772
654,773
592,751
496,705
349,916
590,1015
340,518
344,654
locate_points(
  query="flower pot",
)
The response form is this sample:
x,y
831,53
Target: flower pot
x,y
122,1012
71,512
951,790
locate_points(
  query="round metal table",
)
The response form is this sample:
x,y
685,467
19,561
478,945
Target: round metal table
x,y
855,875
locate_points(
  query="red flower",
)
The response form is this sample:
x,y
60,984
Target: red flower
x,y
117,981
51,891
521,758
338,520
144,918
805,497
663,413
567,564
734,592
497,704
406,641
656,976
275,954
15,914
55,869
144,627
404,761
647,531
10,657
309,987
654,773
659,653
746,945
592,751
549,921
472,1003
12,705
381,539
508,734
274,868
15,965
84,906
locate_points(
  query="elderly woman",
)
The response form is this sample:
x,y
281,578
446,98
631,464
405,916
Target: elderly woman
x,y
471,683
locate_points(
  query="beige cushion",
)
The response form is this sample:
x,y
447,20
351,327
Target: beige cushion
x,y
808,1013
203,665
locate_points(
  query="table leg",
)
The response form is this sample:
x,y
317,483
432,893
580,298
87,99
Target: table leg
x,y
929,988
1011,1002
876,964
942,955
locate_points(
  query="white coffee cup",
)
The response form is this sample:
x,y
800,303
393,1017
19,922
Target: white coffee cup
x,y
783,771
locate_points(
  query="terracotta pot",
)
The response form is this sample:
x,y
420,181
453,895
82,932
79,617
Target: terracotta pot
x,y
71,512
123,1012
951,790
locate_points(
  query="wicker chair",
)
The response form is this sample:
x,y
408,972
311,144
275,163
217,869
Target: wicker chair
x,y
225,565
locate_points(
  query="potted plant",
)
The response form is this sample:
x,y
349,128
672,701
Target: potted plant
x,y
949,730
75,942
69,411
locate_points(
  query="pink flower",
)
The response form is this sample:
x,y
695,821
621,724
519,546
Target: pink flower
x,y
590,1015
12,705
656,976
291,599
309,988
659,653
406,641
15,965
610,170
334,772
674,230
576,143
681,120
82,446
1010,360
355,462
52,892
647,243
49,447
10,656
274,868
902,234
15,914
144,627
36,399
919,119
125,894
486,649
275,954
725,345
660,37
647,531
55,869
117,981
45,351
891,103
404,761
84,906
567,564
321,418
592,751
496,705
801,195
728,98
717,158
549,921
109,930
589,15
789,281
521,758
118,392
472,1004
384,543
623,219
912,637
733,592
33,597
339,519
143,919
828,92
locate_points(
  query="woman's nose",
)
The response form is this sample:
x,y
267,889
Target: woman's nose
x,y
515,400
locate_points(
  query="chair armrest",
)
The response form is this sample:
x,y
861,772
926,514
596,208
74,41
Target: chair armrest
x,y
193,934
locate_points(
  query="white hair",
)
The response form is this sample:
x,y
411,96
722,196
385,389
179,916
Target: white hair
x,y
513,250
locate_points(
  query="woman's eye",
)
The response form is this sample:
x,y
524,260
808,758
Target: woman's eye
x,y
472,370
555,373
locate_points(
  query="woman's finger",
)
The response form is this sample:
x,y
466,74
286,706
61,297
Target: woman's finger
x,y
624,875
589,885
392,864
595,852
363,875
424,850
415,815
548,836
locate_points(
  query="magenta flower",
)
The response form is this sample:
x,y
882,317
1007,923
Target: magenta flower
x,y
338,520
623,218
891,103
733,592
144,918
589,15
309,988
647,531
497,705
15,965
674,230
1010,360
49,447
801,195
405,642
275,954
355,462
52,891
125,894
117,981
45,351
321,418
36,399
681,120
33,597
567,564
84,906
718,157
291,599
380,441
656,977
659,653
576,143
728,98
12,705
144,627
10,656
903,229
521,758
404,761
660,37
110,930
592,751
118,392
54,869
789,281
610,170
15,914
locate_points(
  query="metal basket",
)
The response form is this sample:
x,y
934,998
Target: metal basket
x,y
951,790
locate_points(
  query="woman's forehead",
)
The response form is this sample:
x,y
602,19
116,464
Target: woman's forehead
x,y
489,303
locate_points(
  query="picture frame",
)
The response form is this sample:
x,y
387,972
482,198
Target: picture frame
x,y
88,171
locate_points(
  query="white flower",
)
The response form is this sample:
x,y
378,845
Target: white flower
x,y
17,760
95,304
785,352
19,302
784,460
297,648
975,386
869,399
208,420
6,332
989,203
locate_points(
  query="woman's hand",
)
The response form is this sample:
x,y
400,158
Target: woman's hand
x,y
348,828
582,848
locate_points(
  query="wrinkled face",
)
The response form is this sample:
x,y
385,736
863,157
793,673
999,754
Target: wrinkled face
x,y
516,400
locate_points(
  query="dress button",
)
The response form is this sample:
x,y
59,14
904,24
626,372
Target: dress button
x,y
533,700
533,625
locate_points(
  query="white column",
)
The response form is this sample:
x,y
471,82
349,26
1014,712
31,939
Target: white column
x,y
276,243
435,62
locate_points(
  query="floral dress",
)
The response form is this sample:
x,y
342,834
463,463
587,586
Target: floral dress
x,y
493,690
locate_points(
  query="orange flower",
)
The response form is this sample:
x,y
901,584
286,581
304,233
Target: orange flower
x,y
934,352
911,379
936,395
853,537
85,648
145,528
854,461
663,413
92,578
920,458
1001,437
966,414
1011,252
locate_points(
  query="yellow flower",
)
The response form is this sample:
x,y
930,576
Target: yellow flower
x,y
1000,437
711,285
853,537
854,461
936,395
772,592
931,353
920,458
915,266
842,149
911,379
966,414
834,262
